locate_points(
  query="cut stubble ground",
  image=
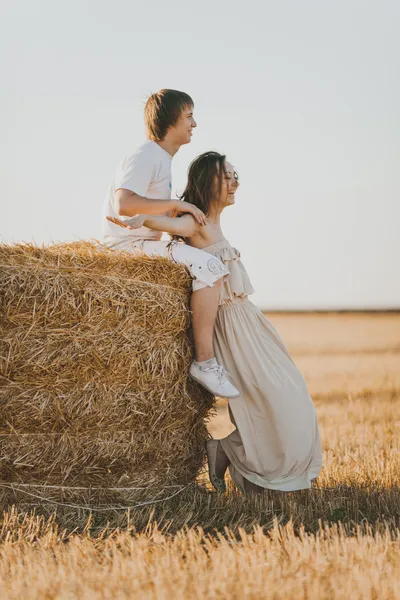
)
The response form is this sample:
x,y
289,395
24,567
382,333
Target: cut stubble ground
x,y
339,540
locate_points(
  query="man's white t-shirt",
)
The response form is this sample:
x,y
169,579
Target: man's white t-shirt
x,y
147,172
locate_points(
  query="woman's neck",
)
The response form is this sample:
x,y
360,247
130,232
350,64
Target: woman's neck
x,y
214,215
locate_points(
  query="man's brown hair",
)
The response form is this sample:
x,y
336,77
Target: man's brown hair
x,y
163,110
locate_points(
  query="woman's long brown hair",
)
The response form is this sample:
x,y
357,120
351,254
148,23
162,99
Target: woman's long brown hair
x,y
204,180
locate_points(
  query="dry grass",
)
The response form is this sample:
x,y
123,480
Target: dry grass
x,y
340,540
344,353
43,563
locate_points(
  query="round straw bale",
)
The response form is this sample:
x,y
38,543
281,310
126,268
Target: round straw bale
x,y
94,356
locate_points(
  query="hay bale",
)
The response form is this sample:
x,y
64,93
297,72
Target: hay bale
x,y
94,355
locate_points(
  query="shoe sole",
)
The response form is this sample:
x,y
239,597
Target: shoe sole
x,y
210,390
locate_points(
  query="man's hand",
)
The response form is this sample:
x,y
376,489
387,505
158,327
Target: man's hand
x,y
185,207
133,223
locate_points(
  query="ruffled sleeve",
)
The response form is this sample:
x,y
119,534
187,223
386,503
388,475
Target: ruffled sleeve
x,y
237,284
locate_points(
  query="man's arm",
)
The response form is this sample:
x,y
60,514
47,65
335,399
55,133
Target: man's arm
x,y
129,204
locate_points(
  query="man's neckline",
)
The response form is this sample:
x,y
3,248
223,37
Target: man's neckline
x,y
162,149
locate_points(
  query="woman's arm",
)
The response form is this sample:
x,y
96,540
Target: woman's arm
x,y
184,226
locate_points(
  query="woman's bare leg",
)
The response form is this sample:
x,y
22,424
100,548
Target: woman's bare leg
x,y
204,306
205,369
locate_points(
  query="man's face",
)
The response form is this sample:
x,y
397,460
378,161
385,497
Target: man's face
x,y
183,129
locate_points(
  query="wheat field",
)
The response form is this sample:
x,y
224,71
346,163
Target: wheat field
x,y
339,540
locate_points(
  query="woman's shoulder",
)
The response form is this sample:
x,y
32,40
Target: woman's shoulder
x,y
200,238
222,245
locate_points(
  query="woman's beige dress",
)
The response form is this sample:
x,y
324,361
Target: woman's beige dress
x,y
276,442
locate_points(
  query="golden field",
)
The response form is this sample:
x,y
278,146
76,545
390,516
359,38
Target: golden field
x,y
339,540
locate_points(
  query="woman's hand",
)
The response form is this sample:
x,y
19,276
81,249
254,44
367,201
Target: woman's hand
x,y
185,207
133,223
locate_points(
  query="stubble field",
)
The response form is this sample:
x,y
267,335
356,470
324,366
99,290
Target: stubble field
x,y
339,540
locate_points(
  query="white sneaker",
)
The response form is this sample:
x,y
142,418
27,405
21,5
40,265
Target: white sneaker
x,y
214,378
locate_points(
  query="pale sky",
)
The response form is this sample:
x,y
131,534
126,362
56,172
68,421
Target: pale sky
x,y
302,96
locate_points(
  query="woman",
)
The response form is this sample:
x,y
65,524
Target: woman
x,y
276,443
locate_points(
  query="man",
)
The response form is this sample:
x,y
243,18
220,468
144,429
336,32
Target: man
x,y
142,185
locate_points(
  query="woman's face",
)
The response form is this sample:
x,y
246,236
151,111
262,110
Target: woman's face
x,y
230,183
